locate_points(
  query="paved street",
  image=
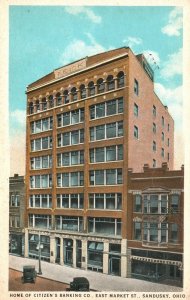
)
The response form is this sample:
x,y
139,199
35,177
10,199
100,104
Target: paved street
x,y
41,284
98,281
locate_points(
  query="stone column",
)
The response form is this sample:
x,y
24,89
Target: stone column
x,y
61,251
52,249
74,254
106,258
26,244
84,255
124,258
115,82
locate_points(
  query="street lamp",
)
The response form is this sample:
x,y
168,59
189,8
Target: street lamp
x,y
39,247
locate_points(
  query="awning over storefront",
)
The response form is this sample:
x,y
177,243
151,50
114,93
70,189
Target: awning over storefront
x,y
158,261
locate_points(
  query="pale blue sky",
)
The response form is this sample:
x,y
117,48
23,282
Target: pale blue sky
x,y
43,38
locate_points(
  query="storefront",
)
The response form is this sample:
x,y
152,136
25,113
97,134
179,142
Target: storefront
x,y
16,244
34,240
156,266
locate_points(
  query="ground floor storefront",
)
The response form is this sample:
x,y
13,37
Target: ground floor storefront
x,y
16,243
157,266
106,255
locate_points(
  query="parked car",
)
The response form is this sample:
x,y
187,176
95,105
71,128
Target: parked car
x,y
79,284
29,274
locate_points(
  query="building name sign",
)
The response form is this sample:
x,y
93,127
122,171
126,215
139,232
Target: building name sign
x,y
77,66
157,261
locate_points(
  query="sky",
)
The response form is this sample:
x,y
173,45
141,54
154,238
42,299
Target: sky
x,y
43,38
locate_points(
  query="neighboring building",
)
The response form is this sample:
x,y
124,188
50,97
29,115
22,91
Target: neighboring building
x,y
16,214
87,123
155,210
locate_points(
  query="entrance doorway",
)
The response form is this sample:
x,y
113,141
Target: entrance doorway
x,y
114,265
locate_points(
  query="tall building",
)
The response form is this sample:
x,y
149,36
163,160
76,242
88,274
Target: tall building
x,y
87,123
16,214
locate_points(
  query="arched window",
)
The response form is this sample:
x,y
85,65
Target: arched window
x,y
120,79
91,88
110,82
37,105
51,104
82,91
66,96
74,94
100,85
31,108
59,99
44,104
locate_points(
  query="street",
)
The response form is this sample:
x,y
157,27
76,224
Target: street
x,y
41,284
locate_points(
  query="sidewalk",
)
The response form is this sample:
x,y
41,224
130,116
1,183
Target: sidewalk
x,y
98,281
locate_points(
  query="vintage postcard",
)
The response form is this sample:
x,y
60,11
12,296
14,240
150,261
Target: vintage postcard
x,y
95,149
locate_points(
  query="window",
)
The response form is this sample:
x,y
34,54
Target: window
x,y
75,201
66,96
154,128
70,223
82,91
174,203
110,153
31,108
70,179
74,94
91,88
111,107
168,157
106,177
162,121
136,132
59,99
136,87
44,104
174,233
137,203
41,125
108,108
154,146
110,83
15,200
100,132
120,78
70,118
100,110
70,138
155,204
40,221
100,85
99,154
162,152
41,143
154,110
105,201
107,226
162,136
137,231
41,201
41,181
168,127
136,110
154,163
51,101
168,142
41,162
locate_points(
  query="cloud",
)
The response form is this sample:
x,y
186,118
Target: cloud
x,y
173,98
79,49
132,41
18,117
173,66
77,10
175,23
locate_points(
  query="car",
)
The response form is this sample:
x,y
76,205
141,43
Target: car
x,y
79,284
29,274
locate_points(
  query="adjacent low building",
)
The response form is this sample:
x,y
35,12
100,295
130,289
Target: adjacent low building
x,y
16,214
155,210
